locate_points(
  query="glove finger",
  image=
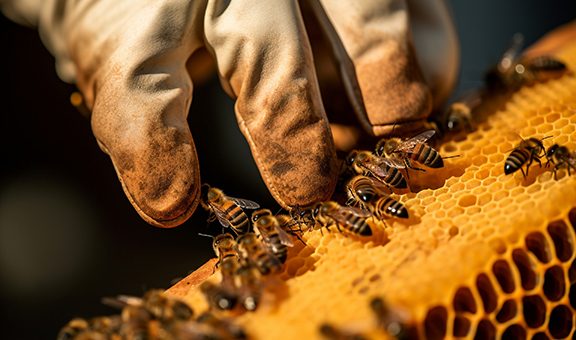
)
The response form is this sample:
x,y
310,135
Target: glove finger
x,y
265,61
140,93
371,43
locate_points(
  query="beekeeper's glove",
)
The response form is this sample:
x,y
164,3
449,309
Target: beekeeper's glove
x,y
129,59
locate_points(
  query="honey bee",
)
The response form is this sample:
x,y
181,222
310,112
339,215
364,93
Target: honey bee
x,y
286,222
512,71
267,226
300,216
228,210
137,323
387,206
560,156
383,169
250,285
102,327
225,328
73,328
292,227
156,303
218,297
371,194
458,116
387,320
414,149
330,332
526,152
251,249
351,219
224,246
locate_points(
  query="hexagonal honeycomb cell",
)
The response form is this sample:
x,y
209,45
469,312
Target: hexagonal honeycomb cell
x,y
483,255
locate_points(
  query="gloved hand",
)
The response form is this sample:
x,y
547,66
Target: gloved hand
x,y
129,59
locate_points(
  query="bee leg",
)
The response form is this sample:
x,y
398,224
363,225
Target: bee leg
x,y
300,238
528,165
338,228
555,170
350,201
523,173
537,159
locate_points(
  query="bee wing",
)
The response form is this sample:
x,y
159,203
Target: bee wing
x,y
355,211
244,203
340,217
221,216
392,162
122,301
375,168
381,188
409,145
285,239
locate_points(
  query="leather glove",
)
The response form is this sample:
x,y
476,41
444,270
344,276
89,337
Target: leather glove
x,y
129,60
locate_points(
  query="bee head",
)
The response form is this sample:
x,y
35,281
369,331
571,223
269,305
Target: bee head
x,y
206,192
351,157
379,150
223,241
259,214
386,146
552,150
316,209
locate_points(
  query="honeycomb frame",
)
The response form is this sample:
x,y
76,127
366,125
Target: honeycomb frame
x,y
483,255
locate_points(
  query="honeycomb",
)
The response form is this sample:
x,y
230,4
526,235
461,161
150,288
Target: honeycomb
x,y
483,255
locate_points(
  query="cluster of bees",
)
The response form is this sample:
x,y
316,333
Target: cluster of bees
x,y
154,316
532,150
244,260
259,246
510,73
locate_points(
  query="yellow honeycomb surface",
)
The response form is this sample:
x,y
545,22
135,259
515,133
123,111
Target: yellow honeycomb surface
x,y
483,254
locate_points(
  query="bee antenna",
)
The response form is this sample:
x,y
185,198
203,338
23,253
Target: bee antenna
x,y
393,128
546,137
206,235
205,185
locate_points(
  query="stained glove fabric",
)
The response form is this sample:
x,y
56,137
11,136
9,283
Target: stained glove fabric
x,y
129,59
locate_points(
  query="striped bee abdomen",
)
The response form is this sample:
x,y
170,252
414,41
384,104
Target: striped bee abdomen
x,y
516,159
237,217
277,248
395,178
358,225
391,207
427,155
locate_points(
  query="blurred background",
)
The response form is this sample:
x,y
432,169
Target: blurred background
x,y
69,236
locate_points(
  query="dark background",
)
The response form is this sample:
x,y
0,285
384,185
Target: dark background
x,y
69,236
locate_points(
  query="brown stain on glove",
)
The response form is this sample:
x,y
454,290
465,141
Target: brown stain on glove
x,y
372,46
154,159
266,62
